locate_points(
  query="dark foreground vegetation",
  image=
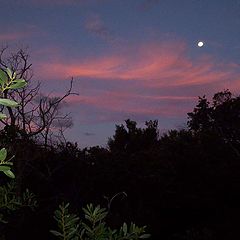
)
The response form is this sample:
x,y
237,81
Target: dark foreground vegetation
x,y
184,184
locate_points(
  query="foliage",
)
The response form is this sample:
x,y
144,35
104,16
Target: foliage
x,y
222,118
10,202
67,223
200,118
132,138
93,226
5,165
8,81
220,115
191,172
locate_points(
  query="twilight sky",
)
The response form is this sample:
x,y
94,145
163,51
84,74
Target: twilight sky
x,y
133,59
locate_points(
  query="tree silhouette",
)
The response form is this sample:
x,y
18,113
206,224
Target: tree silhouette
x,y
222,117
130,138
201,117
37,114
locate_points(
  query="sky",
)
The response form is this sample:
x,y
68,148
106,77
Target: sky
x,y
134,59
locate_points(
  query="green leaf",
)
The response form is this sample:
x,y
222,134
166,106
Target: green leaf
x,y
56,233
8,163
145,236
124,228
3,154
9,72
4,168
9,173
8,102
3,116
14,75
3,77
19,83
1,219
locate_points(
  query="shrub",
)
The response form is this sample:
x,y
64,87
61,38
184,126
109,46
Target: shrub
x,y
92,226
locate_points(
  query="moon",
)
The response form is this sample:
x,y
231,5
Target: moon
x,y
200,44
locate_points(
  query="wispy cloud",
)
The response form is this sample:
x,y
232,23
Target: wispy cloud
x,y
52,2
146,81
12,36
94,24
127,102
148,4
151,64
65,2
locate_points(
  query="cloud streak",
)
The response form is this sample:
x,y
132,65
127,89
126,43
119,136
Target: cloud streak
x,y
52,2
148,4
146,81
12,36
153,65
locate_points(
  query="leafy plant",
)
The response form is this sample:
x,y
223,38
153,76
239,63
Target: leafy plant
x,y
93,226
8,81
67,223
10,202
5,165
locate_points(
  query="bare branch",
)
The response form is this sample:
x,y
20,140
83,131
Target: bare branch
x,y
37,113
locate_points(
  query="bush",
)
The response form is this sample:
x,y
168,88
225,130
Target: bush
x,y
93,226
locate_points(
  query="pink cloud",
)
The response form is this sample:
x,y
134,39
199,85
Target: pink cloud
x,y
152,64
150,80
131,104
51,2
59,2
12,36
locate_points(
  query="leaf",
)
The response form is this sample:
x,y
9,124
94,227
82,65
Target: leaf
x,y
14,75
145,236
56,233
72,231
2,115
1,219
8,102
3,77
8,163
9,173
87,228
4,168
19,83
3,154
9,72
124,227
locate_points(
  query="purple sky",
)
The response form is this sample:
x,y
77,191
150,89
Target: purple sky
x,y
133,59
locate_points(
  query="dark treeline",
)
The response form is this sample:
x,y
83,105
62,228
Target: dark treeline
x,y
184,184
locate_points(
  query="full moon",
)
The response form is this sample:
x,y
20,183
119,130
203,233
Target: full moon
x,y
200,44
